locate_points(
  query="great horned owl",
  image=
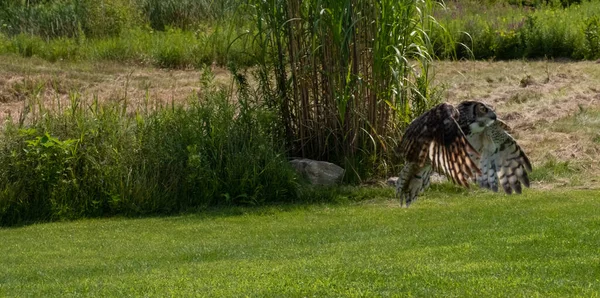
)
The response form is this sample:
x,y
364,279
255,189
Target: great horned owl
x,y
466,142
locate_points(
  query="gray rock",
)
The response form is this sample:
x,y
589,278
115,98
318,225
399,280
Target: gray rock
x,y
318,172
392,181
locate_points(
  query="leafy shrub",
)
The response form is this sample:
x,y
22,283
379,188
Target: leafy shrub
x,y
185,14
592,37
68,18
98,160
26,45
108,17
508,32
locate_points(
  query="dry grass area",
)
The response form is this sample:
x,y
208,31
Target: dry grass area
x,y
22,79
553,107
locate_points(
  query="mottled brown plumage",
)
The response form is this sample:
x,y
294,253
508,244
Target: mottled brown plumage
x,y
464,143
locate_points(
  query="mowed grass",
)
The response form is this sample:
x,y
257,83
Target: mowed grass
x,y
446,244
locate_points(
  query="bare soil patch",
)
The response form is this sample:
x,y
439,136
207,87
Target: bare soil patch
x,y
532,97
26,79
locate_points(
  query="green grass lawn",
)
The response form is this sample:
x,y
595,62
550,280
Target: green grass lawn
x,y
465,244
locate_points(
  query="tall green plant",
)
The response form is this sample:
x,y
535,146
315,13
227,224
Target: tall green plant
x,y
87,158
345,76
67,18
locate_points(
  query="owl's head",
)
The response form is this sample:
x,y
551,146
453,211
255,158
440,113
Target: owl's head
x,y
479,115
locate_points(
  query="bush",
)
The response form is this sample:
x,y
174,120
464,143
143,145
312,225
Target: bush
x,y
68,18
173,48
186,14
592,38
91,159
101,18
509,32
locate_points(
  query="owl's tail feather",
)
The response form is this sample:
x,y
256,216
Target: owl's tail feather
x,y
488,179
413,180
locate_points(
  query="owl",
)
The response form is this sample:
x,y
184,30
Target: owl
x,y
466,143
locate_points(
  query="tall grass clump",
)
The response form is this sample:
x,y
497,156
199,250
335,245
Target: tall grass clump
x,y
84,158
100,18
187,14
173,48
173,34
67,18
345,76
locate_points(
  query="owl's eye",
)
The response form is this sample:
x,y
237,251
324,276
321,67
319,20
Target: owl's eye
x,y
481,109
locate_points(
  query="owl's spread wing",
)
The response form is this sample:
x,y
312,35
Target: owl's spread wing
x,y
502,162
436,136
435,139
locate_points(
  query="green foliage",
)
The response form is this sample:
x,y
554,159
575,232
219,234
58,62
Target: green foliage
x,y
479,244
219,161
92,159
542,3
25,45
186,14
345,76
101,18
107,17
511,32
592,37
126,30
30,45
67,18
173,48
192,33
552,169
170,51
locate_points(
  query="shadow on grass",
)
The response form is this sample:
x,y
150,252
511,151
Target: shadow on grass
x,y
312,196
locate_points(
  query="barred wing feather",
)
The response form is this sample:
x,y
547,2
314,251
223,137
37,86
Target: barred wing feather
x,y
434,141
503,162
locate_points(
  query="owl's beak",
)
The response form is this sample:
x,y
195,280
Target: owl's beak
x,y
492,118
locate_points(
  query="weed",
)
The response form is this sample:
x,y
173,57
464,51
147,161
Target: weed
x,y
585,120
522,96
592,37
552,169
527,81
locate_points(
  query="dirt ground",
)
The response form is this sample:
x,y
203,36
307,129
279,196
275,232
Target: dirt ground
x,y
22,79
531,96
540,101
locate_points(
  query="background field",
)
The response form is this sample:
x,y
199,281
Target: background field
x,y
451,242
143,149
552,106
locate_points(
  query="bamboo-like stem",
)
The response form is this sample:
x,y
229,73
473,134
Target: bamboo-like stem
x,y
349,74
